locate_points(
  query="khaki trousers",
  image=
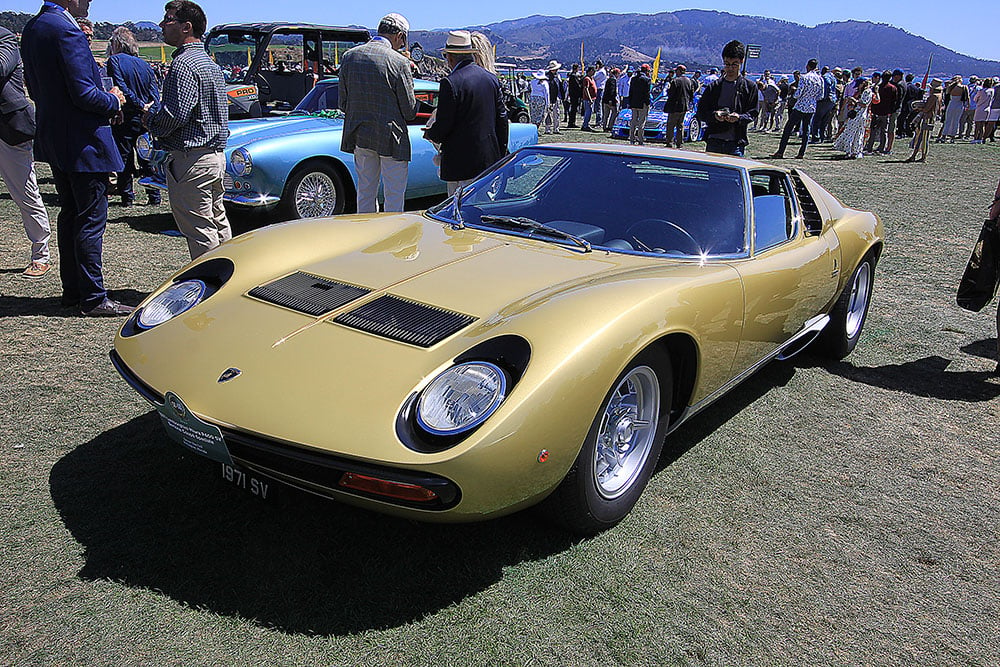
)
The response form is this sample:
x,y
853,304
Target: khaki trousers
x,y
17,171
194,185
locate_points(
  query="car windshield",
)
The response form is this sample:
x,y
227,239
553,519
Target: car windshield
x,y
322,97
616,202
233,52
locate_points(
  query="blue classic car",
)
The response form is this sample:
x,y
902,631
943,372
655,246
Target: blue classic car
x,y
656,123
292,165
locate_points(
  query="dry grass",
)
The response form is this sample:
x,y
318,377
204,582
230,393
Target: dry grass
x,y
821,514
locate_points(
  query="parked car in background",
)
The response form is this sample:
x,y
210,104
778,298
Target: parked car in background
x,y
517,109
656,122
531,341
273,65
292,165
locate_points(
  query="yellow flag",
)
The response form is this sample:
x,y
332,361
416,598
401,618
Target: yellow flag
x,y
582,66
336,55
248,56
656,66
163,54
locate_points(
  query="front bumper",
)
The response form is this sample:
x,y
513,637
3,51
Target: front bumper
x,y
320,473
240,198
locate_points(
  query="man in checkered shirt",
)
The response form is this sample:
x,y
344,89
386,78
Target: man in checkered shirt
x,y
376,96
191,122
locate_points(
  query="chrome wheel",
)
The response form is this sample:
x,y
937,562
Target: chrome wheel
x,y
627,431
694,130
315,195
858,302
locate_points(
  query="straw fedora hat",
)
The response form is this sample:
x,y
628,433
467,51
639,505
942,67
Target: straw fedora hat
x,y
459,41
554,65
936,84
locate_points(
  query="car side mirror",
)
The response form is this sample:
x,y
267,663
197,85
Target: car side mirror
x,y
772,224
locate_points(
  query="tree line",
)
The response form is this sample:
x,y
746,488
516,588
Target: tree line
x,y
15,22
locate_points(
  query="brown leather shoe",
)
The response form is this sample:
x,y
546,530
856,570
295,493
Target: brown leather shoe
x,y
36,270
108,308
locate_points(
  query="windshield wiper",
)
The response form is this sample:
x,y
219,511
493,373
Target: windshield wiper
x,y
519,222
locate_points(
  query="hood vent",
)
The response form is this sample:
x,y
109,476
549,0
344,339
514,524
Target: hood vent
x,y
405,321
308,294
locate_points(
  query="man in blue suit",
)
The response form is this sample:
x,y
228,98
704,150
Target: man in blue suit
x,y
471,123
74,137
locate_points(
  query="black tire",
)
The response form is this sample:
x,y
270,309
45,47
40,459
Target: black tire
x,y
581,503
847,319
521,117
315,189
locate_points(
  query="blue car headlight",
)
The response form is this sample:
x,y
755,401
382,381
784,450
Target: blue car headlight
x,y
461,398
171,302
144,146
240,162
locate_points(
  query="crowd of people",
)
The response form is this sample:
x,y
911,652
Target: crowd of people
x,y
860,115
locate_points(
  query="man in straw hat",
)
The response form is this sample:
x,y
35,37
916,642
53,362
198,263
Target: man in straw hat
x,y
376,95
471,122
556,95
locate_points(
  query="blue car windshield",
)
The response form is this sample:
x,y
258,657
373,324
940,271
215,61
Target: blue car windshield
x,y
614,201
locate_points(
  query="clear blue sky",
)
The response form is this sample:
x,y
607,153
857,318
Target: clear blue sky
x,y
969,26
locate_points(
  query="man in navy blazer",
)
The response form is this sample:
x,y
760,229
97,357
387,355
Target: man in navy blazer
x,y
74,137
471,121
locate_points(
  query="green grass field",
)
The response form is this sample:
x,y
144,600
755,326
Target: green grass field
x,y
822,513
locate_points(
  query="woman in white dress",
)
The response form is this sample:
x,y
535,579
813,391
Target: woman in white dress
x,y
852,139
957,96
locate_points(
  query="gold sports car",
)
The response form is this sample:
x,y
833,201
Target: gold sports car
x,y
531,341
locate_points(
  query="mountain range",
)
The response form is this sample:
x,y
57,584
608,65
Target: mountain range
x,y
695,38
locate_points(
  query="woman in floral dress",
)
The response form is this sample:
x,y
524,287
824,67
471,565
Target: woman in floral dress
x,y
852,139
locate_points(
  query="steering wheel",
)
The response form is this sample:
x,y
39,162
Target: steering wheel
x,y
659,231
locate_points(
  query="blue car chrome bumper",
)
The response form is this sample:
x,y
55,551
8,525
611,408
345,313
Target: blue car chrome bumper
x,y
238,198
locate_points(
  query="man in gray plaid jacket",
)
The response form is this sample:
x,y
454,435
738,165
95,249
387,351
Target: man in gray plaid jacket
x,y
376,95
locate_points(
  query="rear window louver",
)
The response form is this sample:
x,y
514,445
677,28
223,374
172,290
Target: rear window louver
x,y
811,217
309,294
405,321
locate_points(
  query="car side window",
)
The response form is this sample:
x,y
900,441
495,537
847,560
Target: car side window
x,y
774,210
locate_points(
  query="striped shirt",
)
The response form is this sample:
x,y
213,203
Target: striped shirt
x,y
193,111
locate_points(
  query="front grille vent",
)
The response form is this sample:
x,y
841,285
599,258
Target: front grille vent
x,y
308,294
405,321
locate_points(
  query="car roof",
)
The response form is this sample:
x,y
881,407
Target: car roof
x,y
354,31
657,152
419,85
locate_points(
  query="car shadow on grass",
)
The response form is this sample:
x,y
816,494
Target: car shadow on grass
x,y
151,516
703,424
927,377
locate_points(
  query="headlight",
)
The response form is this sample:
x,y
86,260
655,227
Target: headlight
x,y
241,162
461,398
144,146
170,303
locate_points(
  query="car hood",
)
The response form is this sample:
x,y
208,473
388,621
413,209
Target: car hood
x,y
243,132
297,366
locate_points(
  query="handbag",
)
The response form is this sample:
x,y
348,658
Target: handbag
x,y
979,282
